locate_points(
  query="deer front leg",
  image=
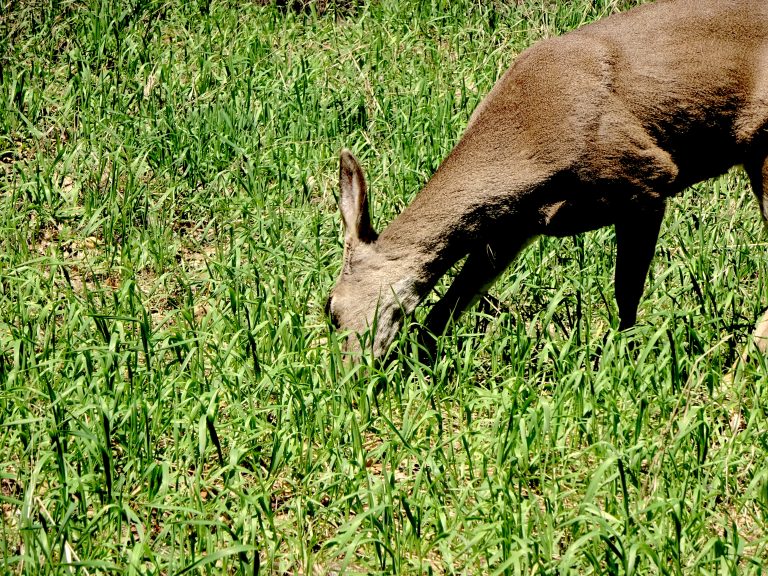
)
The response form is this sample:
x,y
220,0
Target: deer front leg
x,y
757,170
480,271
636,236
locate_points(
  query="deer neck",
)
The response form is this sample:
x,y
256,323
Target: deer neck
x,y
446,221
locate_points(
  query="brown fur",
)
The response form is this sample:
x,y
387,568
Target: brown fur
x,y
594,128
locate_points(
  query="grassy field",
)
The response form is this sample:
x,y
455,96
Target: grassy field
x,y
171,400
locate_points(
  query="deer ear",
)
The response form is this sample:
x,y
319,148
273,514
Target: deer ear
x,y
353,202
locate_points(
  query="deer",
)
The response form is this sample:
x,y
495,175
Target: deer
x,y
597,127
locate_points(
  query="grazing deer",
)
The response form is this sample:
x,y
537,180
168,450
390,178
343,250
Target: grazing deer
x,y
596,127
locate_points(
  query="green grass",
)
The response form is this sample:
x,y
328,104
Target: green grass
x,y
171,400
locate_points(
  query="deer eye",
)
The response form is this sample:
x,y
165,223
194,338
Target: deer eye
x,y
327,307
330,313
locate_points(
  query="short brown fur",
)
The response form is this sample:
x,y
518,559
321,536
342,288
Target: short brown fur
x,y
597,127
